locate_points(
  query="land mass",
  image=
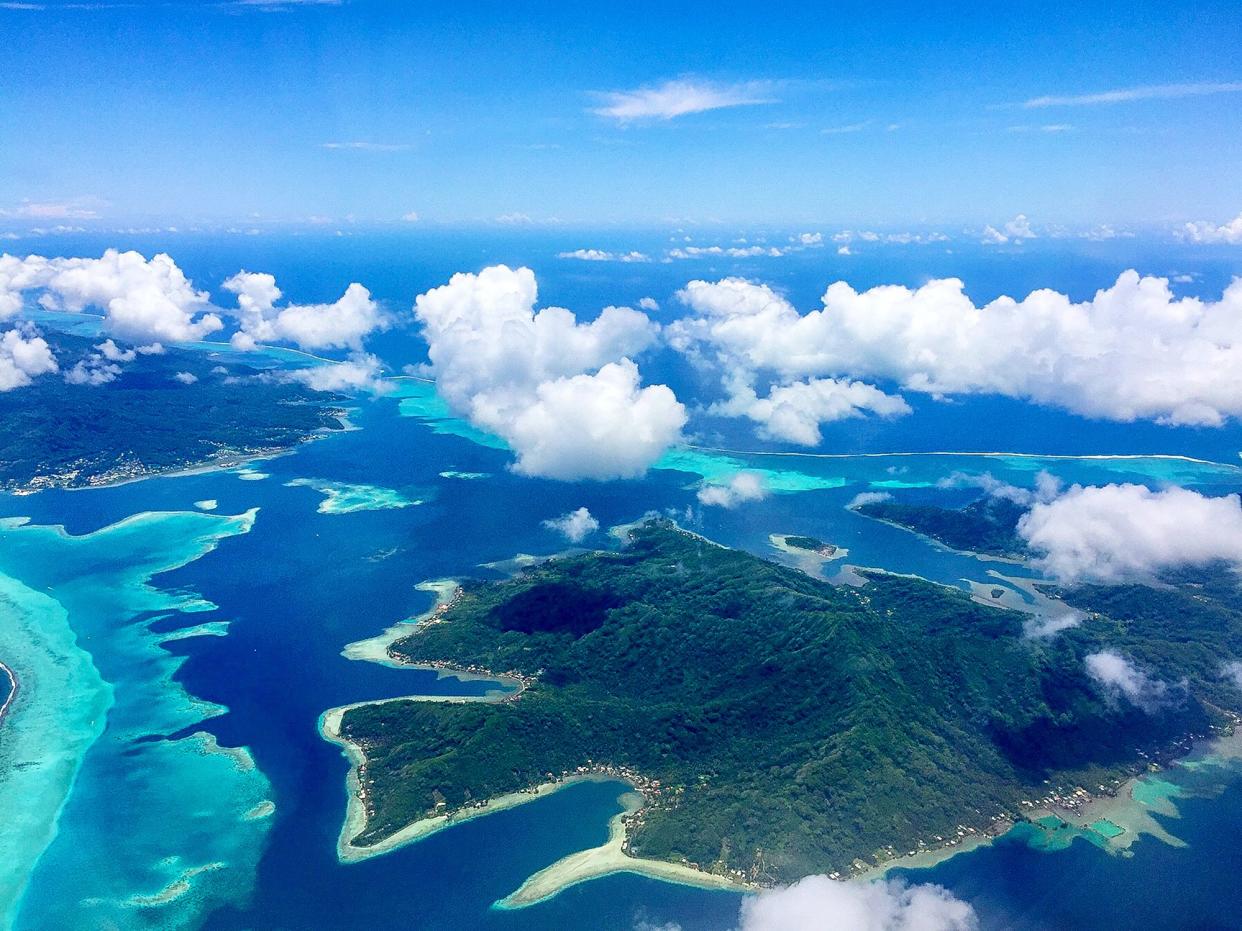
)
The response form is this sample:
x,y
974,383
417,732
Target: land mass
x,y
162,413
988,526
774,724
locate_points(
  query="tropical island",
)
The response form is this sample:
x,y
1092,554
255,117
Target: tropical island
x,y
775,725
162,412
988,526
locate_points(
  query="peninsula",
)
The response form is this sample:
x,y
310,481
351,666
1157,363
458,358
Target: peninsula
x,y
775,725
165,412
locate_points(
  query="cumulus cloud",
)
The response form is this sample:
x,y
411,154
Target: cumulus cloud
x,y
93,370
361,372
1133,351
1112,533
1047,486
679,98
1204,232
1120,678
143,301
340,325
868,497
649,304
818,903
603,255
185,378
575,526
795,412
743,487
565,395
24,355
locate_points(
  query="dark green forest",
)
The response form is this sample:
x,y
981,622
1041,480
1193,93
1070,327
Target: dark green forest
x,y
794,726
147,421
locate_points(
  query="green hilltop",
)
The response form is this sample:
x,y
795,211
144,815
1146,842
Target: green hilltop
x,y
792,726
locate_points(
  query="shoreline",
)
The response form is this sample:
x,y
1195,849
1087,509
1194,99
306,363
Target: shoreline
x,y
14,687
954,453
355,806
608,859
1122,809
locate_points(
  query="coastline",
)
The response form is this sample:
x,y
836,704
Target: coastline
x,y
991,454
596,862
14,687
355,806
1127,813
609,859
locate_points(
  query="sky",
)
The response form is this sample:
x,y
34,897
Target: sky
x,y
361,111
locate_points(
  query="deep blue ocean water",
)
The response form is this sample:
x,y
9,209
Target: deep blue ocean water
x,y
301,584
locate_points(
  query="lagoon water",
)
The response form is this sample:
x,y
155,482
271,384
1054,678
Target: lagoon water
x,y
175,776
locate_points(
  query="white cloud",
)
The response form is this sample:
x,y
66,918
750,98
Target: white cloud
x,y
1111,533
795,412
809,239
114,353
1019,228
1204,232
818,903
601,255
1120,678
679,98
1134,351
79,209
575,526
340,325
362,372
1049,625
743,487
1232,671
411,217
24,355
648,304
598,426
868,497
93,370
186,378
1047,486
564,394
142,301
1128,94
364,146
730,252
993,237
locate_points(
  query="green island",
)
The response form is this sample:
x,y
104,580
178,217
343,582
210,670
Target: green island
x,y
152,418
775,725
987,526
812,544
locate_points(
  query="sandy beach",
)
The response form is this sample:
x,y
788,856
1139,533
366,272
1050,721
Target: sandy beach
x,y
607,859
14,685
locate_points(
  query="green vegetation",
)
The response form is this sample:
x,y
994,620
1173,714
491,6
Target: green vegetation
x,y
792,726
808,543
988,525
147,421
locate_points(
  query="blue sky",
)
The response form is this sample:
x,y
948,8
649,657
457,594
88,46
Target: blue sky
x,y
891,115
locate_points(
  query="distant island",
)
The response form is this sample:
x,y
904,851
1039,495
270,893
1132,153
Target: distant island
x,y
162,413
776,725
811,544
987,526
